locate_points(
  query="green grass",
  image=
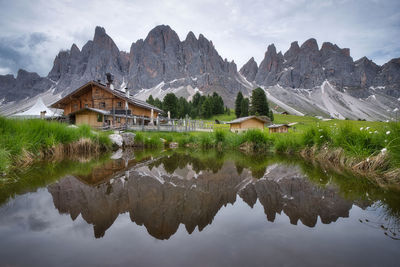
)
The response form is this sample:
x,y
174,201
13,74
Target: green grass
x,y
35,136
358,139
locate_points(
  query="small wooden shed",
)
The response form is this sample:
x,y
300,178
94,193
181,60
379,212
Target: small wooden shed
x,y
250,122
278,128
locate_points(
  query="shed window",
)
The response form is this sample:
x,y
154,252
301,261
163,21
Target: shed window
x,y
102,104
75,106
99,118
118,119
86,105
119,104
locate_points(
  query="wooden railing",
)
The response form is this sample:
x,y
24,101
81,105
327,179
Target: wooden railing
x,y
172,125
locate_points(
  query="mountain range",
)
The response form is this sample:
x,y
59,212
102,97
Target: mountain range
x,y
305,80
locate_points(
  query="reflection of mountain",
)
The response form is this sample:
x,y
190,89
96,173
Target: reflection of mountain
x,y
161,198
285,189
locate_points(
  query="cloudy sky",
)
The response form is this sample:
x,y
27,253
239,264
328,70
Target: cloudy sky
x,y
32,32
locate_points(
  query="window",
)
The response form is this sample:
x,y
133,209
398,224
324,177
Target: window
x,y
86,105
99,118
75,106
102,105
119,104
118,119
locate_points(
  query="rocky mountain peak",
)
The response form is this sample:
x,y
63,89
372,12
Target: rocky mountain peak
x,y
311,45
249,70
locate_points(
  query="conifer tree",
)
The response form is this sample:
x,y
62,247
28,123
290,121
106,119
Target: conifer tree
x,y
238,104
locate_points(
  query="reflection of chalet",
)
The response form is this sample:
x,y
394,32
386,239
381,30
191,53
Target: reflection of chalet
x,y
99,105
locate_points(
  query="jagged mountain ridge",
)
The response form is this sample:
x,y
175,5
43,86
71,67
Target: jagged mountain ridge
x,y
161,59
308,66
162,63
327,82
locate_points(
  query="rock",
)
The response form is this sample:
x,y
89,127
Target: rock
x,y
116,139
173,145
118,154
249,70
128,139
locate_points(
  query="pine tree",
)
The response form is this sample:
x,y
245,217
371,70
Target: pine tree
x,y
150,100
238,104
271,115
170,104
158,103
245,108
206,108
259,104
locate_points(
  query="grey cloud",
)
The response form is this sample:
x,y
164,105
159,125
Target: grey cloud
x,y
238,29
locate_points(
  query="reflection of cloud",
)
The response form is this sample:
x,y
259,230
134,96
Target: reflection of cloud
x,y
37,224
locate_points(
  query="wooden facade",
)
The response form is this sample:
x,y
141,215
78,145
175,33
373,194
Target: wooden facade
x,y
279,128
98,105
251,122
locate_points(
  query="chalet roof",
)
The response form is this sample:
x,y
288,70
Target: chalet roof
x,y
115,92
277,125
239,120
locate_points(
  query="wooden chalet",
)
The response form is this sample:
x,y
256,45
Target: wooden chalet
x,y
99,105
250,122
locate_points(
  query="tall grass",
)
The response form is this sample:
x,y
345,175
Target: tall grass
x,y
20,138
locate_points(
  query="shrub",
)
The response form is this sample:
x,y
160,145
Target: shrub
x,y
153,142
139,139
220,136
206,141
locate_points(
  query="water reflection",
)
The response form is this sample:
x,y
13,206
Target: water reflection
x,y
164,191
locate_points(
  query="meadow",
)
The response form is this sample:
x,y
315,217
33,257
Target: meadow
x,y
25,141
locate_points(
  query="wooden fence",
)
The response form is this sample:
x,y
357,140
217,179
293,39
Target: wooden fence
x,y
172,125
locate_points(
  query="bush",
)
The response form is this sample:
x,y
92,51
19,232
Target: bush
x,y
206,141
256,137
153,142
220,136
139,139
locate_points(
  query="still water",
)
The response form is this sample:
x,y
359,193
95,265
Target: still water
x,y
195,208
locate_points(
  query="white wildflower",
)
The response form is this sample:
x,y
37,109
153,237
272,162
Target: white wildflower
x,y
367,159
383,151
367,128
362,128
376,132
388,132
370,132
321,136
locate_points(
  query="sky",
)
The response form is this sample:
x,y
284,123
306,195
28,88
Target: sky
x,y
33,32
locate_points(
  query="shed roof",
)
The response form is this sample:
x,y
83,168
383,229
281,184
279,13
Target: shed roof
x,y
239,120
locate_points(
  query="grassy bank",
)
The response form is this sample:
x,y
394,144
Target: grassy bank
x,y
370,151
25,141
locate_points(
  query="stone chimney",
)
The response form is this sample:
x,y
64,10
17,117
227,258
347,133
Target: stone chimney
x,y
110,79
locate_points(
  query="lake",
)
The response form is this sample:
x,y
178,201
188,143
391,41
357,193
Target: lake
x,y
195,208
